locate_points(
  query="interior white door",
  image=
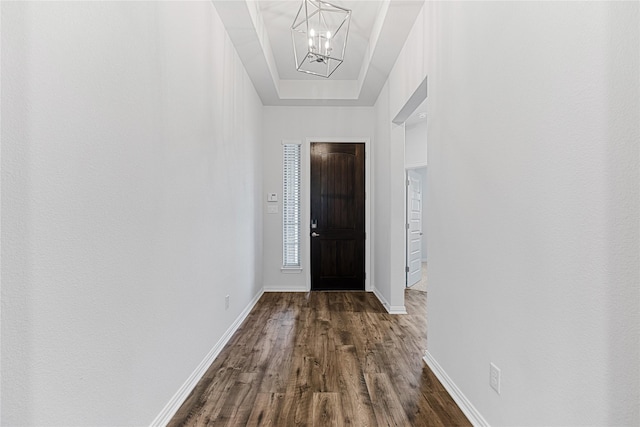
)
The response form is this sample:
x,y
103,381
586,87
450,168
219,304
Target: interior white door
x,y
414,227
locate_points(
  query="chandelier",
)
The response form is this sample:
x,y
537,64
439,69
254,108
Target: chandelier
x,y
319,35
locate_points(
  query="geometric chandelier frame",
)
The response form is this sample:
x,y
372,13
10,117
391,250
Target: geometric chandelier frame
x,y
319,33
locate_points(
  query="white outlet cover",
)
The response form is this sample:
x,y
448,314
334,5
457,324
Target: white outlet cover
x,y
272,209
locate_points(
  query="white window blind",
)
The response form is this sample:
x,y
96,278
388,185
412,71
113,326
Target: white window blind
x,y
291,206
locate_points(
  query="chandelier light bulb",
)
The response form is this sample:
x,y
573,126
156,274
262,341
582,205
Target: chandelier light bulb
x,y
311,42
328,34
312,32
326,45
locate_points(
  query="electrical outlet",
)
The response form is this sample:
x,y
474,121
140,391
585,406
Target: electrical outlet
x,y
494,377
226,302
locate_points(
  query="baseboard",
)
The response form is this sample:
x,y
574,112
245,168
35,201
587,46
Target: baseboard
x,y
286,290
391,309
382,299
178,399
397,309
461,400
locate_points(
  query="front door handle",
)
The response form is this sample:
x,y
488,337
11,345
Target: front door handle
x,y
314,234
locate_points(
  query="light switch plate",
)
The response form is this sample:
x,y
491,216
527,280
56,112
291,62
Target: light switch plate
x,y
272,197
494,377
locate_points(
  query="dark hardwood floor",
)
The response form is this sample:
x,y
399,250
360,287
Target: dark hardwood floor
x,y
323,359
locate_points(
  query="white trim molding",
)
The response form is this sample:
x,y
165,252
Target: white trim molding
x,y
391,309
461,400
382,299
397,309
181,395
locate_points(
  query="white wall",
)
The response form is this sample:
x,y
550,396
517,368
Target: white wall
x,y
131,205
389,197
415,145
381,193
533,204
296,124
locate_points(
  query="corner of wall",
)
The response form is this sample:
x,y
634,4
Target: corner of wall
x,y
164,417
456,394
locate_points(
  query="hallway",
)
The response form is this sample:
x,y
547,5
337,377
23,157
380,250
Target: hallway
x,y
421,286
143,215
323,358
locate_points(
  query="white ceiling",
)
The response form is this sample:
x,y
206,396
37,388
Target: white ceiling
x,y
260,32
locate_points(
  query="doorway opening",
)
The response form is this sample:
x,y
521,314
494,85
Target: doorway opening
x,y
332,269
412,118
337,216
416,239
415,196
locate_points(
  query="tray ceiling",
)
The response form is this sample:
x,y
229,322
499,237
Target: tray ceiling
x,y
260,32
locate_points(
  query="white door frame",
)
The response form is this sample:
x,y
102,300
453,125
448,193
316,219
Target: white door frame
x,y
306,203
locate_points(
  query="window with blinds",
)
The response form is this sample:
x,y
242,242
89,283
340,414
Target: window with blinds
x,y
291,206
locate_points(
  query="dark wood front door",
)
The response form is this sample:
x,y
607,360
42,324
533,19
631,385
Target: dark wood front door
x,y
337,216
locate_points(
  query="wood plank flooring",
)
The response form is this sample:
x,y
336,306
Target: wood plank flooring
x,y
323,359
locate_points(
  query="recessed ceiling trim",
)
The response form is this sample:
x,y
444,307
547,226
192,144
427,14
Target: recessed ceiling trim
x,y
258,24
373,40
319,89
245,25
253,53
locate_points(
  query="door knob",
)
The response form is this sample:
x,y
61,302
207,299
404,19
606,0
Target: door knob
x,y
314,234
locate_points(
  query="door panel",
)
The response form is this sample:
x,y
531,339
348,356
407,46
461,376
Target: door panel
x,y
414,231
337,216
